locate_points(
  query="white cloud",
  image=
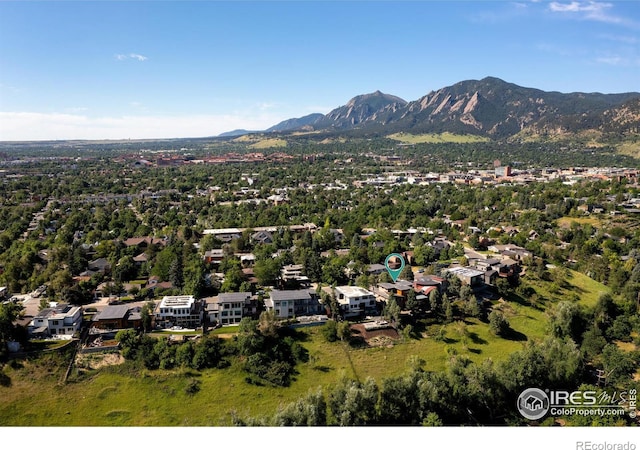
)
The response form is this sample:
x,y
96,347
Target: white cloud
x,y
619,61
135,56
618,38
611,60
138,57
25,126
577,6
597,11
77,109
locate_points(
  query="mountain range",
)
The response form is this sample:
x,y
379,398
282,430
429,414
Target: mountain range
x,y
489,107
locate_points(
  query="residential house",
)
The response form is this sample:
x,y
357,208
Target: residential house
x,y
295,273
487,264
143,242
490,276
247,259
179,310
468,275
375,269
62,321
511,251
355,301
262,237
397,290
213,256
101,265
117,317
225,235
289,304
227,308
427,283
439,244
141,259
154,283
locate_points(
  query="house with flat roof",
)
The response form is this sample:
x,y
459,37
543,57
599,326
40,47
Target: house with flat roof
x,y
375,269
62,321
262,237
289,304
398,290
468,275
293,274
227,308
354,300
213,256
179,310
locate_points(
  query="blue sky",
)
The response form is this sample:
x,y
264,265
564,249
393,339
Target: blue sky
x,y
163,69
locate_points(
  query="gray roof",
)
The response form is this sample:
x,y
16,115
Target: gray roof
x,y
234,297
112,312
489,261
100,263
289,295
427,281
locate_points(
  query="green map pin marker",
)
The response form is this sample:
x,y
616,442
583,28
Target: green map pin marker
x,y
394,264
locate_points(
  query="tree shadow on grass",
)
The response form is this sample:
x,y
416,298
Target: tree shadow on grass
x,y
5,380
477,351
476,339
514,335
297,334
357,342
323,369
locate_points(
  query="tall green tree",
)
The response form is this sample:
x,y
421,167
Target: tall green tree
x,y
146,313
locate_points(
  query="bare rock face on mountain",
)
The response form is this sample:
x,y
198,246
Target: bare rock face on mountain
x,y
489,107
361,109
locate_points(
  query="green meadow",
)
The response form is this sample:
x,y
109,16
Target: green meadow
x,y
437,138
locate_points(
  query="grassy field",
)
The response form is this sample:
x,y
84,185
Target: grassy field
x,y
565,222
577,286
631,148
437,138
269,143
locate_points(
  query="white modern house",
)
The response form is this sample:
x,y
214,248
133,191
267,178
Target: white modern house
x,y
468,275
61,321
355,300
179,310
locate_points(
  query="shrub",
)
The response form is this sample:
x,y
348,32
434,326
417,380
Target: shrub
x,y
330,331
498,324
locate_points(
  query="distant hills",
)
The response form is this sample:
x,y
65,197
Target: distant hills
x,y
489,107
